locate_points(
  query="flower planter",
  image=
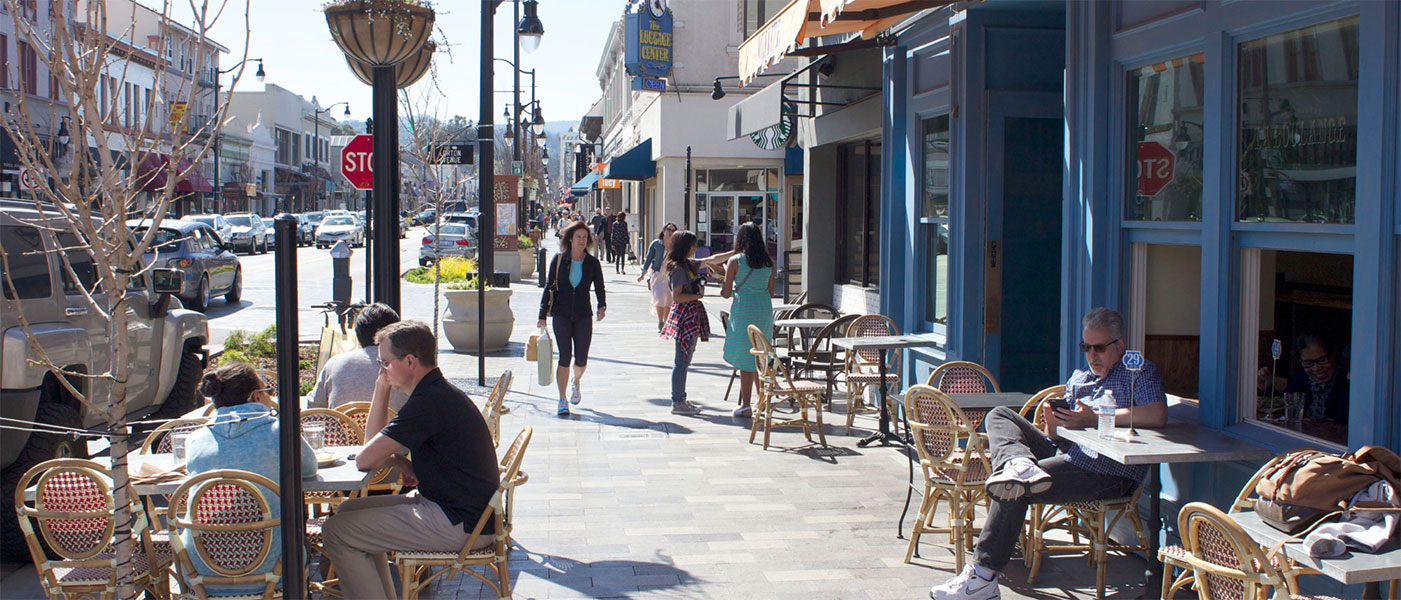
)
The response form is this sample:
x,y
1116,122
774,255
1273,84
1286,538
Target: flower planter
x,y
508,261
460,319
527,262
379,32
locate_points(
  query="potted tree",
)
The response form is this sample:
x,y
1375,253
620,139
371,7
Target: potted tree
x,y
527,251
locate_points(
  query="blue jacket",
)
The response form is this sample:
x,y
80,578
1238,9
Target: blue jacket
x,y
249,444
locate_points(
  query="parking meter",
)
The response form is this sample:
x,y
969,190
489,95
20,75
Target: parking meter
x,y
340,273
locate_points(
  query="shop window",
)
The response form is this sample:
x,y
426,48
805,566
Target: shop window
x,y
1164,162
1296,317
1297,116
795,214
934,221
858,213
1166,312
758,12
25,263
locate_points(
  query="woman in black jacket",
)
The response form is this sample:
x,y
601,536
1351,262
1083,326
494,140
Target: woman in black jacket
x,y
566,298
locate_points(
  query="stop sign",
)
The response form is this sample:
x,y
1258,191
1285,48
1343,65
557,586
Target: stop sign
x,y
1155,168
355,162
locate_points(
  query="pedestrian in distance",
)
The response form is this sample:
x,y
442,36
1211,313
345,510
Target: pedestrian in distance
x,y
604,236
566,299
652,266
749,281
620,242
686,323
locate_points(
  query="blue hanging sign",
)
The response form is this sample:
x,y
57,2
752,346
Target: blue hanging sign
x,y
648,41
1133,360
647,84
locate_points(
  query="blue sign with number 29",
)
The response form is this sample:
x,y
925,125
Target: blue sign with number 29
x,y
1133,360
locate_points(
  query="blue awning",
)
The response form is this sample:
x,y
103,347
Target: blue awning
x,y
635,164
583,186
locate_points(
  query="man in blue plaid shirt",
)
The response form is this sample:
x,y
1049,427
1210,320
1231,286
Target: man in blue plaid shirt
x,y
1035,466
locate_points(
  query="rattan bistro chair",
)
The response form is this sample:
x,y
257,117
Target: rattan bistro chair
x,y
231,528
338,429
386,479
416,567
512,451
953,458
776,385
159,440
495,405
74,513
821,360
964,377
1226,563
863,366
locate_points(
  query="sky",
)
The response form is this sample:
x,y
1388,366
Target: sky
x,y
299,54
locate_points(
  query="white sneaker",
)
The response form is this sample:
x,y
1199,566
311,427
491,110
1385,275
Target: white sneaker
x,y
1017,478
966,586
743,412
574,396
563,409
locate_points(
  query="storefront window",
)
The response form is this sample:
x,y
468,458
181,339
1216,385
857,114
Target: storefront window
x,y
936,275
738,180
1297,116
858,213
934,221
1165,141
1297,308
1167,289
936,168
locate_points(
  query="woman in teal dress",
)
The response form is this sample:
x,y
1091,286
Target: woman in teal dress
x,y
749,280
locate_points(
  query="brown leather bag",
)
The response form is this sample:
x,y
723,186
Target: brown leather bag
x,y
1309,485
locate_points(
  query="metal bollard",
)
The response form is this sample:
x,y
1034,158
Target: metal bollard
x,y
340,273
289,398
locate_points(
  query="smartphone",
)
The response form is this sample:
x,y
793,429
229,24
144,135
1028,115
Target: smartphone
x,y
1060,403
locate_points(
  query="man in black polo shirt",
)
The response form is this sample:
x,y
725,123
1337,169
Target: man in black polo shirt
x,y
453,465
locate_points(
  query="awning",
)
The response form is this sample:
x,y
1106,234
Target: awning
x,y
760,110
635,164
583,185
154,171
804,19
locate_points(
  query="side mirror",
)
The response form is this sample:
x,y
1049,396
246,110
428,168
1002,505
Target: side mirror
x,y
166,281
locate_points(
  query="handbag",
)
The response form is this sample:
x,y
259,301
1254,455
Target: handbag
x,y
531,352
334,340
1308,486
545,357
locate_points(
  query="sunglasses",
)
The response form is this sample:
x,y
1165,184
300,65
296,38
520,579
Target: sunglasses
x,y
1098,348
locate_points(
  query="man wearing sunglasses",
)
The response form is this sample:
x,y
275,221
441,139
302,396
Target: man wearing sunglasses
x,y
1034,465
453,464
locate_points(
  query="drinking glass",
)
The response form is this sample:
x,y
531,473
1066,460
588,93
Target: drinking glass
x,y
315,436
1294,407
177,445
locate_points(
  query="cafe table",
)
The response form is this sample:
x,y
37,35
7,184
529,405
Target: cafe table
x,y
805,323
1176,442
1350,568
339,476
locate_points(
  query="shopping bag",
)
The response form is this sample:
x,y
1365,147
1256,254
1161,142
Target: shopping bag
x,y
544,357
334,340
530,350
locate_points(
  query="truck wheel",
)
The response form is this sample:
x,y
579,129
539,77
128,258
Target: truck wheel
x,y
236,292
41,447
183,397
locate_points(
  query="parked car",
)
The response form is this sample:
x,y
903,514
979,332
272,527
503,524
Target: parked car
x,y
167,348
454,240
426,217
469,219
249,231
221,226
207,265
305,231
339,227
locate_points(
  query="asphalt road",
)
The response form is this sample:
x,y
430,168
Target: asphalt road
x,y
258,308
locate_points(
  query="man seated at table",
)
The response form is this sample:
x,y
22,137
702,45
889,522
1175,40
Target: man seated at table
x,y
1035,466
453,464
350,376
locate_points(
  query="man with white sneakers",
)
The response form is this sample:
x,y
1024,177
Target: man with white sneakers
x,y
1035,466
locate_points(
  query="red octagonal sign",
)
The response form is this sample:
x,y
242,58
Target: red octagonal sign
x,y
1155,168
355,162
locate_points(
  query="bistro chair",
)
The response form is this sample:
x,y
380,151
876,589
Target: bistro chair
x,y
776,385
863,366
385,479
74,514
1091,520
1174,556
495,402
953,458
1227,564
416,567
514,450
159,440
964,377
338,430
811,310
232,528
822,358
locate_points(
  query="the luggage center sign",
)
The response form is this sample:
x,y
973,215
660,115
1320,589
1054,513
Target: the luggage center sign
x,y
647,50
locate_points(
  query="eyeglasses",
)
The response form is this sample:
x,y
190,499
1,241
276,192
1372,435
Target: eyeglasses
x,y
1098,348
1321,361
384,364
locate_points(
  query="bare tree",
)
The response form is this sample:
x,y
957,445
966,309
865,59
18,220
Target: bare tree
x,y
102,54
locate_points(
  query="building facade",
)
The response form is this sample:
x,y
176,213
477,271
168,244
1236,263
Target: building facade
x,y
301,175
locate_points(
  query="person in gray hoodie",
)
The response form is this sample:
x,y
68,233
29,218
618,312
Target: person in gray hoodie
x,y
244,436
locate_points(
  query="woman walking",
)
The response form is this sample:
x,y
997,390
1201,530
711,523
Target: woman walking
x,y
619,240
687,322
749,280
652,266
566,298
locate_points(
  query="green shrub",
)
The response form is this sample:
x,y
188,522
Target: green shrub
x,y
303,365
264,343
237,340
524,242
449,270
231,356
306,388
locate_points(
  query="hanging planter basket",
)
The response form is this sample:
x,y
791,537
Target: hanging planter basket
x,y
380,32
406,73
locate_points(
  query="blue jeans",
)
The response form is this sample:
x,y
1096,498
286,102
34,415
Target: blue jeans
x,y
685,351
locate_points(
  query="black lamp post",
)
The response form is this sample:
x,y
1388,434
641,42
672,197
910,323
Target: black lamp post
x,y
316,152
219,128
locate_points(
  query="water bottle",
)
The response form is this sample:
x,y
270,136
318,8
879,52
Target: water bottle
x,y
1104,409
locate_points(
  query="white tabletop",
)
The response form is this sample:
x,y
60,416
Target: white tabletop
x,y
1353,567
1177,442
341,476
803,323
886,342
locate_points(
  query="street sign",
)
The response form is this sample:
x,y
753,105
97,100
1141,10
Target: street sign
x,y
451,154
30,180
517,168
1155,168
356,163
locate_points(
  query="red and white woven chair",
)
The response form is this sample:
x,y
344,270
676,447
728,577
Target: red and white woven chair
x,y
863,366
1226,563
953,458
964,377
232,530
338,430
386,479
73,512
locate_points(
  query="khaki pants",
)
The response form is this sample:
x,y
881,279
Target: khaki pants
x,y
362,532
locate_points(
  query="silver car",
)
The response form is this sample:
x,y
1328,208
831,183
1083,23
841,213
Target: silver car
x,y
249,231
207,265
221,226
335,228
454,240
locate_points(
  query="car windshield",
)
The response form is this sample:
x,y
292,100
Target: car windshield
x,y
205,220
339,221
240,221
454,230
315,217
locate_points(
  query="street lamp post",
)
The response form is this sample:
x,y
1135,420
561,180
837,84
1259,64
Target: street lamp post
x,y
219,128
316,152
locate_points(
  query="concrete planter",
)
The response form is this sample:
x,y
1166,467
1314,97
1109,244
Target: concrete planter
x,y
460,319
508,261
527,262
